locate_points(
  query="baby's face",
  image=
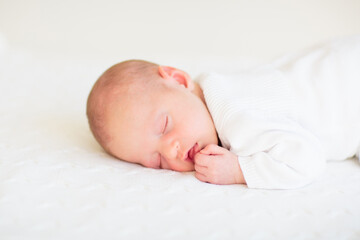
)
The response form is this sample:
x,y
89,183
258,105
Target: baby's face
x,y
162,129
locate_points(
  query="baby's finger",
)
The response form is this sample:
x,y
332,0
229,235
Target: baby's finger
x,y
200,176
201,159
213,149
200,169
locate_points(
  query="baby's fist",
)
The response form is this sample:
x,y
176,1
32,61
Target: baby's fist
x,y
215,164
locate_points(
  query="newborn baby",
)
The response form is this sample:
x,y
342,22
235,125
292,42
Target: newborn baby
x,y
269,127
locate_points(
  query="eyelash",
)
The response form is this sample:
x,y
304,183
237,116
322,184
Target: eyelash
x,y
166,123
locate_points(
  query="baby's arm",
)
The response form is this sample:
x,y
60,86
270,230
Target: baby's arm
x,y
277,154
215,164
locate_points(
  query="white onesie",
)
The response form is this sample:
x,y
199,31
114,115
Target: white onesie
x,y
285,119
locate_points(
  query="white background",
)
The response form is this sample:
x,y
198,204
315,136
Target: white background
x,y
187,29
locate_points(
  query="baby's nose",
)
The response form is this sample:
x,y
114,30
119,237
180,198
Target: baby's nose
x,y
172,149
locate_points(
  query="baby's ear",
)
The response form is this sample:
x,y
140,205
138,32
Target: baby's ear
x,y
177,75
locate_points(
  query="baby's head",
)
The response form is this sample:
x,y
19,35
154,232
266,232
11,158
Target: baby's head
x,y
148,114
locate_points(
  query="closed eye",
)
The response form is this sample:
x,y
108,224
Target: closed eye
x,y
165,125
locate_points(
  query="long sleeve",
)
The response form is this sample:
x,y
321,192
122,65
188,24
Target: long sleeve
x,y
273,153
256,119
283,120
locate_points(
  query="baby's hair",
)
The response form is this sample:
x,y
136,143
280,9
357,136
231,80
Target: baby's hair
x,y
119,79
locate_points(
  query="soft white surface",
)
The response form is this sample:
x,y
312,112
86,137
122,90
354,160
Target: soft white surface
x,y
56,182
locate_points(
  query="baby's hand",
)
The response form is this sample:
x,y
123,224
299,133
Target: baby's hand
x,y
217,165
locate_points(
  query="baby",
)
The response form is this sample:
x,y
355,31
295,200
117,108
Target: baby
x,y
270,127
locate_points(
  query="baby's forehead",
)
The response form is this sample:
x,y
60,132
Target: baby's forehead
x,y
131,103
133,96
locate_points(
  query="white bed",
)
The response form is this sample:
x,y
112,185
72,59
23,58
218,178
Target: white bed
x,y
57,183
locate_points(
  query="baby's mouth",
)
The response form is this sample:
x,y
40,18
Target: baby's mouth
x,y
192,152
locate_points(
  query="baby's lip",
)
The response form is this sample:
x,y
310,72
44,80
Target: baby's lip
x,y
192,152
